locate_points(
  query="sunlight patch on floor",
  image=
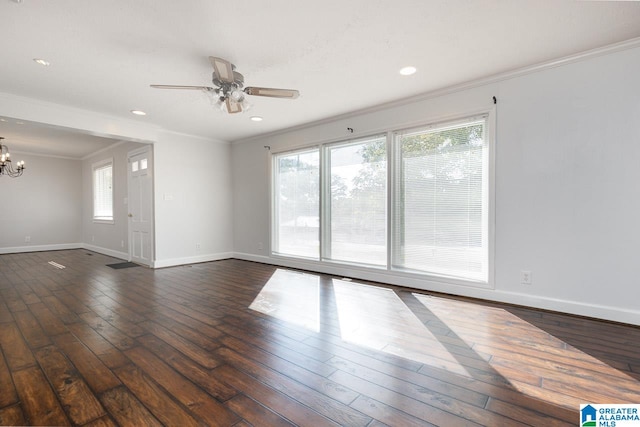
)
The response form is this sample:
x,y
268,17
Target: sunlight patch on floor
x,y
532,360
291,296
377,318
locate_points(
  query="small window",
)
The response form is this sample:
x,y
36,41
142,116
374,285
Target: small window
x,y
103,191
134,166
143,164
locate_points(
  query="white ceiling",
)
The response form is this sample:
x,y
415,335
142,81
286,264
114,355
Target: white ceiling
x,y
22,136
343,55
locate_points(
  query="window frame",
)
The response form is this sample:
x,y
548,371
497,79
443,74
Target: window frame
x,y
95,167
412,278
395,185
326,232
274,211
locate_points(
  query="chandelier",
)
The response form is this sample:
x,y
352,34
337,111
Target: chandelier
x,y
6,167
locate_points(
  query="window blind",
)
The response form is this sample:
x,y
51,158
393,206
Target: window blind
x,y
103,192
440,207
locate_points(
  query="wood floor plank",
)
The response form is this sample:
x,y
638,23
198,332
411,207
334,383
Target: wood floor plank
x,y
161,405
37,400
165,315
185,346
304,373
473,412
76,397
115,336
387,414
255,413
120,310
194,398
97,375
238,338
280,403
519,413
5,314
51,324
12,299
105,421
26,293
196,336
71,302
117,321
126,409
403,403
14,347
411,379
12,416
282,341
332,409
8,395
205,378
60,309
106,352
31,329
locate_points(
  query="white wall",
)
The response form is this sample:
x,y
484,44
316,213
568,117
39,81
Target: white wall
x,y
110,239
193,224
193,200
45,203
567,201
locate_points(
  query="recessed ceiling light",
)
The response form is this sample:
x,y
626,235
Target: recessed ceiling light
x,y
3,120
407,71
138,113
19,123
256,118
41,62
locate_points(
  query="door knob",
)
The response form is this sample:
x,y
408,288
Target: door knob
x,y
130,215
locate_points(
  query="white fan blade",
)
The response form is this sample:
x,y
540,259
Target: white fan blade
x,y
233,107
207,88
271,92
222,68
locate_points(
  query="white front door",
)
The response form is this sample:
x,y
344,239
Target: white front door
x,y
140,207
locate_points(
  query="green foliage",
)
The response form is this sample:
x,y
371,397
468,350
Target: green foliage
x,y
424,143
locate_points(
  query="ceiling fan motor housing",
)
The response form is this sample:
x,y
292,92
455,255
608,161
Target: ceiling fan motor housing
x,y
226,89
229,87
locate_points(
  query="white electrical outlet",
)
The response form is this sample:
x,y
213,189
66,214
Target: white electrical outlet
x,y
122,243
27,239
259,246
197,246
525,277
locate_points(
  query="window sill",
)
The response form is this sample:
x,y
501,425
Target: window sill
x,y
103,221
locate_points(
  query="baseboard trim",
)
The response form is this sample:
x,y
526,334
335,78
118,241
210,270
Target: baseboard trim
x,y
609,313
105,251
596,311
40,248
172,262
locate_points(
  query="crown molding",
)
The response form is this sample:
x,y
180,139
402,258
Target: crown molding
x,y
483,81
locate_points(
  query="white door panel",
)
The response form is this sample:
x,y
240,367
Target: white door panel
x,y
140,208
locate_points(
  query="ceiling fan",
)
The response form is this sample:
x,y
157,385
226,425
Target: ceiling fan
x,y
229,91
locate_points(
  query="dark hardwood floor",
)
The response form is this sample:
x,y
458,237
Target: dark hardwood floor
x,y
238,343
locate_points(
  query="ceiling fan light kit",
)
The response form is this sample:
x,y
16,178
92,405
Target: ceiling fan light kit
x,y
229,88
